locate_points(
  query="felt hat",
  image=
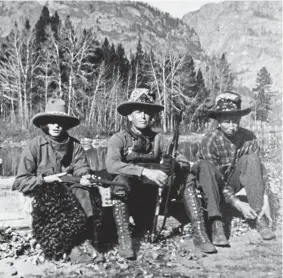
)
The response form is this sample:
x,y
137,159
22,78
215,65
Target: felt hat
x,y
55,108
140,98
228,103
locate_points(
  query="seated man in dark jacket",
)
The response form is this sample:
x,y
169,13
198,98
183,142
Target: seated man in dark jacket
x,y
232,151
134,156
44,161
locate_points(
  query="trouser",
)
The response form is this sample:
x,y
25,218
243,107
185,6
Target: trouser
x,y
140,194
83,196
248,174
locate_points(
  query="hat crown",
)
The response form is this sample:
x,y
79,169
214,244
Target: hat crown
x,y
56,106
228,101
140,98
142,95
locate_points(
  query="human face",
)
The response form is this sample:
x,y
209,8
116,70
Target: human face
x,y
55,129
140,119
229,124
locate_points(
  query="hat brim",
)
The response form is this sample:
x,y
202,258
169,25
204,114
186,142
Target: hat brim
x,y
127,108
216,114
69,121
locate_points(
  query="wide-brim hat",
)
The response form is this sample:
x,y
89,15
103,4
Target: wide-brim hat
x,y
55,108
228,104
140,99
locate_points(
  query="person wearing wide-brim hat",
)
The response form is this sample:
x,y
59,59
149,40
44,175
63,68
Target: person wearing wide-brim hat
x,y
45,159
134,155
55,109
231,150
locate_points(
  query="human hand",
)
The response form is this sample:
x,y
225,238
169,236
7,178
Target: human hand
x,y
246,210
157,176
54,178
85,180
265,210
166,164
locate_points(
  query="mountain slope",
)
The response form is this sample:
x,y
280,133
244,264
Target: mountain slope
x,y
249,32
121,22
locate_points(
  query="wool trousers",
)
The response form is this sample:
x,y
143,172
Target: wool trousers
x,y
140,194
83,197
248,174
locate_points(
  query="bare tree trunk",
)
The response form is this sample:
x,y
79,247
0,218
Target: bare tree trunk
x,y
136,76
69,94
164,100
91,112
13,116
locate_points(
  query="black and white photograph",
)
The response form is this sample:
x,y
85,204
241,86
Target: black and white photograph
x,y
141,139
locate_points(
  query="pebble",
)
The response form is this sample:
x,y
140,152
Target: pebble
x,y
14,272
154,255
124,266
169,264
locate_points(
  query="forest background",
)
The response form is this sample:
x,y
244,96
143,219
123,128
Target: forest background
x,y
56,58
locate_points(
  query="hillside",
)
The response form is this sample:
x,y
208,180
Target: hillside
x,y
249,32
121,22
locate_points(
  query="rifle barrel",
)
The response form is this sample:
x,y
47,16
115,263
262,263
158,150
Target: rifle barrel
x,y
72,179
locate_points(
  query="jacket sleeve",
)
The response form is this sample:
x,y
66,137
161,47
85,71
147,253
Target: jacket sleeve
x,y
80,163
26,180
114,163
254,147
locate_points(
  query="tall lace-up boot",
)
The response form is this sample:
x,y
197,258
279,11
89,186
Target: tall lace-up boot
x,y
194,211
121,217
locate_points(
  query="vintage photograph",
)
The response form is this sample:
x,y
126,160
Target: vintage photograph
x,y
141,139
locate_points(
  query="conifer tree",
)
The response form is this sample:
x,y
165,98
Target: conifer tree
x,y
40,26
262,95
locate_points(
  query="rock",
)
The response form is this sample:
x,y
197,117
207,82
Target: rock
x,y
124,266
254,26
13,272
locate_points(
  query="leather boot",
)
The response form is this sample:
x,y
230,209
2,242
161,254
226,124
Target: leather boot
x,y
193,209
218,234
121,217
91,245
263,228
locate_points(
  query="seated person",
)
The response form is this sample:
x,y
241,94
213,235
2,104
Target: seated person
x,y
221,148
44,160
134,156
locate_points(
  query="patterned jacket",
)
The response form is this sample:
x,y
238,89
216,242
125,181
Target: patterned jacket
x,y
218,149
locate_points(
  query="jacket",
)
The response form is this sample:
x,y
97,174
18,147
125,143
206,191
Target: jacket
x,y
43,156
118,153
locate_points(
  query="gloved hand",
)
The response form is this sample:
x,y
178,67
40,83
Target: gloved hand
x,y
166,164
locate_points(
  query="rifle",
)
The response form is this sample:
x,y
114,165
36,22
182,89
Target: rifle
x,y
103,186
95,182
172,147
230,170
228,195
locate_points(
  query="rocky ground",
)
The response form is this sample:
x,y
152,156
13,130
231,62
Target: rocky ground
x,y
248,256
175,256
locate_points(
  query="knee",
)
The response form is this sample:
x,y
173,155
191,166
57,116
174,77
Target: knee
x,y
206,165
80,193
122,189
252,158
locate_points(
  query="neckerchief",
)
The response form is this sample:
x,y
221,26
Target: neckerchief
x,y
142,143
61,149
